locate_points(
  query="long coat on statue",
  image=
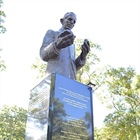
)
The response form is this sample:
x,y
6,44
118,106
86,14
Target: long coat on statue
x,y
59,61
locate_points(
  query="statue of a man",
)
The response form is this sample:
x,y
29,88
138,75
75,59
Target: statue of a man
x,y
58,49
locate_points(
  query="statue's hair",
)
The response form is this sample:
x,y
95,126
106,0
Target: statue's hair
x,y
69,13
66,15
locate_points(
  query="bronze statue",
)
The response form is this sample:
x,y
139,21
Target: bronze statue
x,y
58,49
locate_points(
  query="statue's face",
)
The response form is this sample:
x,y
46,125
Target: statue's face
x,y
69,22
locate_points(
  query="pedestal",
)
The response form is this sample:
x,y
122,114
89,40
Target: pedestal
x,y
60,109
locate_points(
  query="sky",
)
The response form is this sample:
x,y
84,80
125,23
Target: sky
x,y
113,24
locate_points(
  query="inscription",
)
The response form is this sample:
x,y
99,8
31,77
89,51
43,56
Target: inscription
x,y
72,135
74,95
75,123
74,103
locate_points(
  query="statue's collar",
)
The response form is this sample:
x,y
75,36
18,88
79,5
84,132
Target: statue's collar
x,y
61,29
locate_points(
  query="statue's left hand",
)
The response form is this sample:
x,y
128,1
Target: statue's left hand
x,y
85,49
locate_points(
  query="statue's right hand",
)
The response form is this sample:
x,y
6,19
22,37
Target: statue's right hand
x,y
64,40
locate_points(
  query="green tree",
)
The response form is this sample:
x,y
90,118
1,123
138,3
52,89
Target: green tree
x,y
40,67
102,134
2,30
123,86
12,123
2,63
2,16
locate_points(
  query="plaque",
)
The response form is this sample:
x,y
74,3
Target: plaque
x,y
70,115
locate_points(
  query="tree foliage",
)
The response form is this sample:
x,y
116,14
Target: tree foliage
x,y
123,86
12,123
40,67
2,30
2,16
2,63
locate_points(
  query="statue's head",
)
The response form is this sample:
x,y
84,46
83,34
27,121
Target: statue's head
x,y
69,20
